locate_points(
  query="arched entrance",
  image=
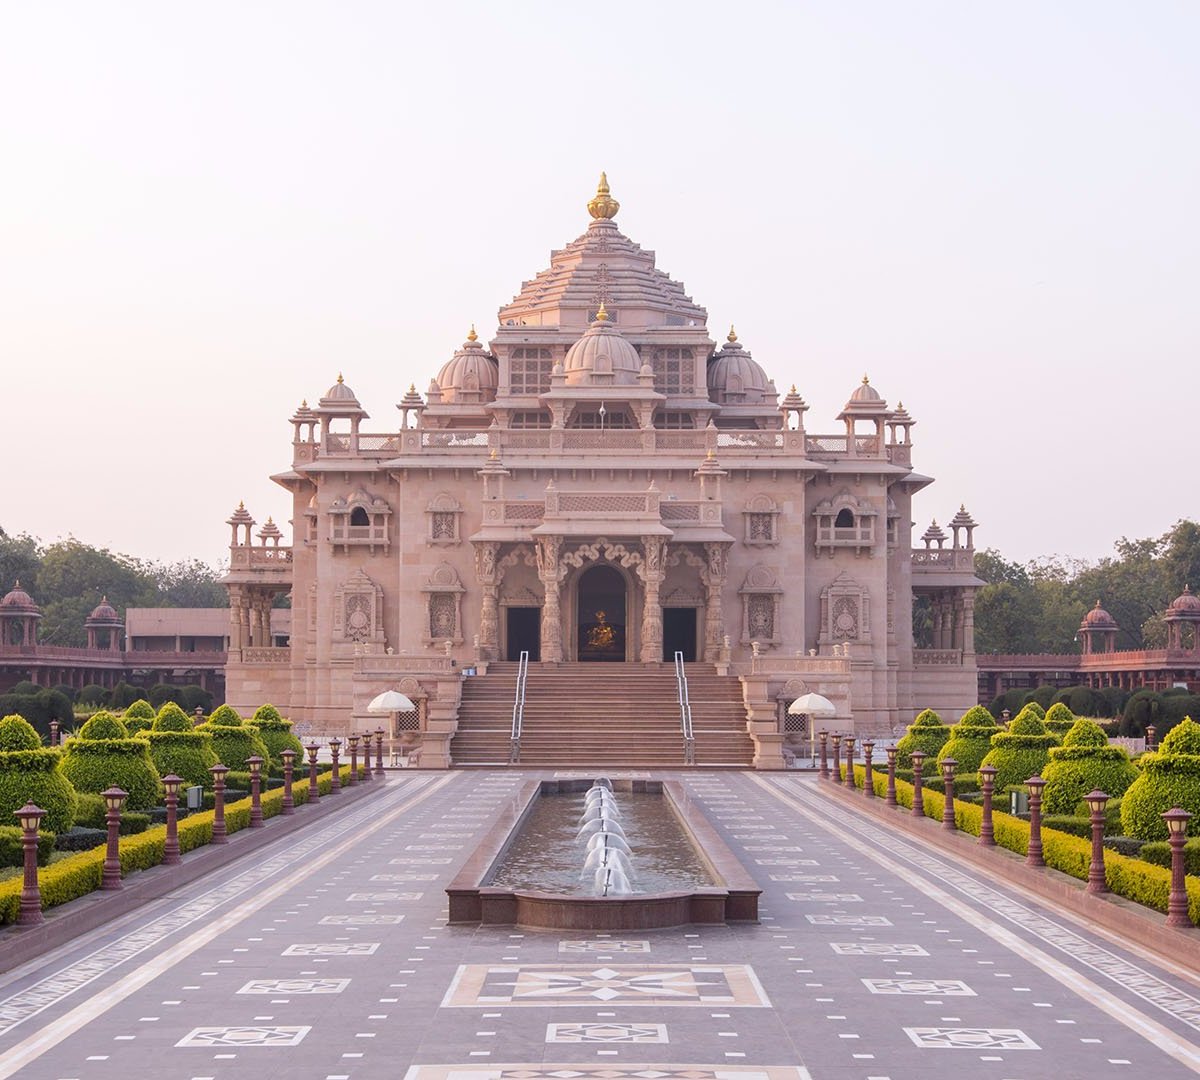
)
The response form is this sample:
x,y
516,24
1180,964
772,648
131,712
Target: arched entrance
x,y
601,608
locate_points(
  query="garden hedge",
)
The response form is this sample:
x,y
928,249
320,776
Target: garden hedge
x,y
234,745
1170,777
1059,719
276,734
1084,763
12,847
30,772
1159,853
189,754
970,739
103,754
1022,751
1132,878
172,718
77,875
926,732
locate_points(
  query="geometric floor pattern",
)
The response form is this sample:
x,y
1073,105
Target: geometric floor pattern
x,y
611,1032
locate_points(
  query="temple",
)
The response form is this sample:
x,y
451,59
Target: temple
x,y
606,488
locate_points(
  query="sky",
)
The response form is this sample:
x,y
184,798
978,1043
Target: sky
x,y
209,210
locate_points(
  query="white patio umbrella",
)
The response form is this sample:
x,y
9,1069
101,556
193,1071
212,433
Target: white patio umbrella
x,y
814,706
394,701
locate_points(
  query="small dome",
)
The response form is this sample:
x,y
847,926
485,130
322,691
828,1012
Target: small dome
x,y
1186,602
17,599
104,612
602,355
735,377
339,391
866,394
1098,619
471,374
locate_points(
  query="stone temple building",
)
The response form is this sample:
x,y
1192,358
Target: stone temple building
x,y
604,487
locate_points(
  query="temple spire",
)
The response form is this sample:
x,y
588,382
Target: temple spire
x,y
603,205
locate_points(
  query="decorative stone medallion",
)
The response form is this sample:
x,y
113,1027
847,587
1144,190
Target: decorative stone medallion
x,y
274,1035
967,1038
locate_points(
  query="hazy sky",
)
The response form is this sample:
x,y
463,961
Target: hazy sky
x,y
209,210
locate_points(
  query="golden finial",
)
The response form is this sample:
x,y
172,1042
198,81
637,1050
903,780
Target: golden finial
x,y
241,504
866,381
900,405
793,389
304,403
472,336
603,205
340,379
711,455
601,313
412,387
732,336
495,454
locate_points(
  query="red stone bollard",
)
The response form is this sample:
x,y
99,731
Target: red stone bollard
x,y
171,786
837,757
1177,901
1034,857
849,740
114,799
288,806
219,835
948,821
987,781
868,774
256,814
891,751
352,740
379,753
314,792
918,805
824,737
30,911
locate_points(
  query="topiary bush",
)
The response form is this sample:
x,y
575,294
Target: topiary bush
x,y
1170,777
103,755
1084,763
1158,852
192,698
1022,751
1034,708
970,739
1144,707
172,718
138,717
31,773
225,716
12,849
1043,695
189,754
926,732
232,740
276,734
1059,719
93,695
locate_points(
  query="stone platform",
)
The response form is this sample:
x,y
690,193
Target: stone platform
x,y
326,954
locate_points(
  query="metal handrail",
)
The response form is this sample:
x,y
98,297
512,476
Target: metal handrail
x,y
685,712
518,713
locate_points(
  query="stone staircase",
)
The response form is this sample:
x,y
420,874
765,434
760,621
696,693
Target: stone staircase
x,y
610,715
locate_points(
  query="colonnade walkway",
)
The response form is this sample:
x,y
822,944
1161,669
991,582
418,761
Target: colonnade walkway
x,y
327,955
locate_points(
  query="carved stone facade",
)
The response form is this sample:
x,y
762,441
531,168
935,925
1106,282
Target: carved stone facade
x,y
604,480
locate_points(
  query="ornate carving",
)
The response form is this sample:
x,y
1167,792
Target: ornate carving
x,y
443,605
761,596
358,610
845,611
760,618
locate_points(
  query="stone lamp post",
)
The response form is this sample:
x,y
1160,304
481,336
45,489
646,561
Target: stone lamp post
x,y
987,782
1097,800
288,805
824,737
891,752
171,786
379,753
335,748
849,740
1034,857
868,775
837,757
1177,902
948,767
219,835
114,799
314,792
918,805
256,814
30,911
352,742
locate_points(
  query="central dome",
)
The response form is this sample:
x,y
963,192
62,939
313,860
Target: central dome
x,y
602,355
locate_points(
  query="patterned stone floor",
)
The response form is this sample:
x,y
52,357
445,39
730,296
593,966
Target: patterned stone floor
x,y
327,955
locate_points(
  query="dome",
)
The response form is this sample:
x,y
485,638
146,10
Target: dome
x,y
104,612
17,599
1098,619
735,377
470,374
1186,603
339,391
602,355
866,394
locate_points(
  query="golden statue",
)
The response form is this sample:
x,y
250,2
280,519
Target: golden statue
x,y
601,636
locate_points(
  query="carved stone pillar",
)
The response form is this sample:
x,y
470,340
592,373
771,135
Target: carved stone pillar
x,y
236,640
654,550
714,583
548,549
968,603
489,613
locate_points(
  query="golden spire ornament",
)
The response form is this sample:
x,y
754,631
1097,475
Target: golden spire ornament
x,y
601,313
732,336
472,336
603,205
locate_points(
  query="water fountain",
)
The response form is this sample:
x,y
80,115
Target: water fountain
x,y
601,854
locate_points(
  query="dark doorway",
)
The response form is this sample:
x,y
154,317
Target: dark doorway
x,y
524,632
601,605
679,633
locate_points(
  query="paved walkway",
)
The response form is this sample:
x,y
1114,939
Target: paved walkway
x,y
326,955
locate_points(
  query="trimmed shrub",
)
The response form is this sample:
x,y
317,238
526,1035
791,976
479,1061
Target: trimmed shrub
x,y
1158,852
172,718
69,692
1175,707
189,754
970,740
139,710
225,716
161,693
12,850
195,697
1170,777
1059,719
103,754
1035,708
1043,695
39,709
926,732
93,695
1084,763
93,814
123,695
80,839
1144,707
31,773
234,745
25,687
1022,751
276,734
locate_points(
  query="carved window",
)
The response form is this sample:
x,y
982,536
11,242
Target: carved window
x,y
593,420
761,601
674,370
443,606
761,516
359,520
845,521
529,370
445,514
358,611
674,421
845,611
530,418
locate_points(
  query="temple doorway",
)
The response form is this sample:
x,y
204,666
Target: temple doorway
x,y
523,632
601,607
679,633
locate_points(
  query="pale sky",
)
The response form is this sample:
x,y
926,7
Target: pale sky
x,y
208,210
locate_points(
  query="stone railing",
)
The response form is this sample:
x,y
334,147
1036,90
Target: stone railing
x,y
800,665
1124,659
243,557
750,440
262,654
135,658
943,559
937,657
400,664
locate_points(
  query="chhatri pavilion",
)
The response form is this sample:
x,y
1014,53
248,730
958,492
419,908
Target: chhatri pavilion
x,y
606,488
